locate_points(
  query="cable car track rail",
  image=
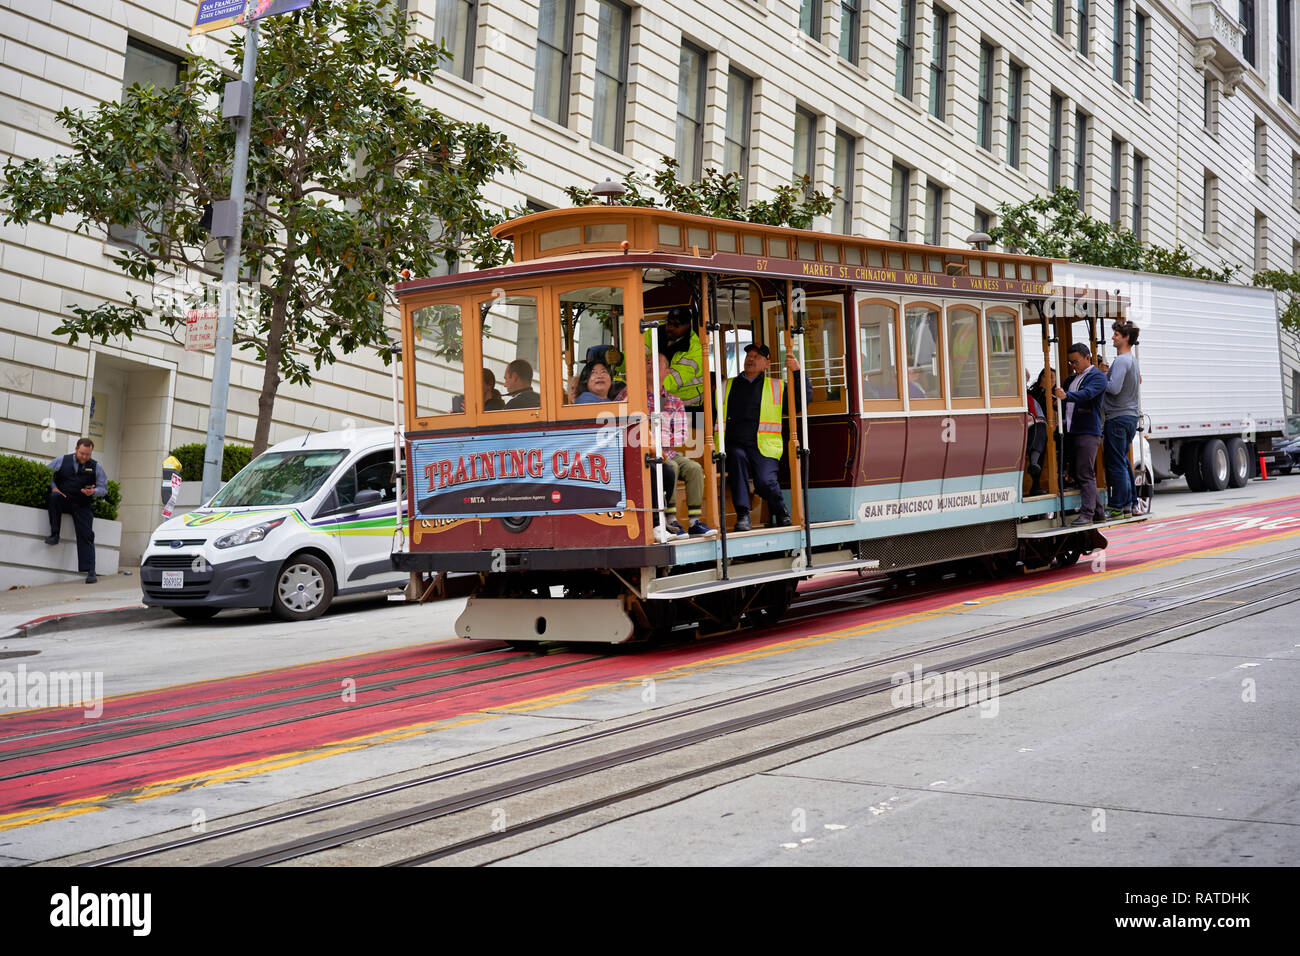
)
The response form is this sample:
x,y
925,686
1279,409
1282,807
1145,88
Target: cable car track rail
x,y
444,807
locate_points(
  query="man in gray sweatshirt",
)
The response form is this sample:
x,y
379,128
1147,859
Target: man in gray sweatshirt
x,y
1121,404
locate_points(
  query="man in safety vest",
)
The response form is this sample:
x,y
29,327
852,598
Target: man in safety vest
x,y
753,404
681,344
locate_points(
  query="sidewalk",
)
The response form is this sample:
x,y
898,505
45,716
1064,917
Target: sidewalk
x,y
50,607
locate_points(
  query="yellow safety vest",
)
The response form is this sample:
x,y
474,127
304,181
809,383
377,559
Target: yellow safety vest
x,y
685,377
769,416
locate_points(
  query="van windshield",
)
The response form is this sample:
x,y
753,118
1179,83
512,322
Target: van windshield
x,y
279,478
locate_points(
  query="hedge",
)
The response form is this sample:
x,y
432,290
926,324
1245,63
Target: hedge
x,y
190,456
26,482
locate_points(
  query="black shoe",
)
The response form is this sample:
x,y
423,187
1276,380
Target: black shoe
x,y
91,579
52,539
743,523
781,521
1080,521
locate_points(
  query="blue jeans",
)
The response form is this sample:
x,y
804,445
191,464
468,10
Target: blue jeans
x,y
1118,434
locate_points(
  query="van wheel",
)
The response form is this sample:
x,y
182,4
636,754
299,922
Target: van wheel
x,y
1214,465
195,613
1239,463
304,588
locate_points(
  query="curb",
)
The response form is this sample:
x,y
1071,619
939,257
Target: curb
x,y
76,620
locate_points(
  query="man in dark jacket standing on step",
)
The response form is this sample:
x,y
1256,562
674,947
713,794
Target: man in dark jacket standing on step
x,y
78,481
1082,397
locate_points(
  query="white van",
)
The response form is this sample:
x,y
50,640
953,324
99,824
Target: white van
x,y
310,518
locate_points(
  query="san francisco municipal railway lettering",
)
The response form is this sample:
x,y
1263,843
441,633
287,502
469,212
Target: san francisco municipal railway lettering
x,y
516,463
935,504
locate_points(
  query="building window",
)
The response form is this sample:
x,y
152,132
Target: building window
x,y
846,152
983,220
810,18
805,145
1295,180
1055,137
690,113
1140,58
850,27
1058,17
1211,106
933,214
1083,35
1117,42
1116,180
900,188
455,23
1081,156
1139,193
1261,149
740,97
1284,81
145,66
984,128
939,65
612,20
1210,207
1261,241
1295,264
554,46
1015,86
906,48
1246,14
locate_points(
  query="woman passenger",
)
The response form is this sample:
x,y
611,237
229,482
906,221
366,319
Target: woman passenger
x,y
595,383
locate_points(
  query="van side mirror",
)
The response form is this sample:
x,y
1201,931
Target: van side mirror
x,y
370,496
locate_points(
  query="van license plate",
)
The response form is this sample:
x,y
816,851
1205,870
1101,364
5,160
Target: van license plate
x,y
173,579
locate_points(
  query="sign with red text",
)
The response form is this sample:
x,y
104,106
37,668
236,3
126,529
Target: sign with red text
x,y
513,475
200,329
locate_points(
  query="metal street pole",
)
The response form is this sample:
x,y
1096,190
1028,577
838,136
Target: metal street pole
x,y
230,279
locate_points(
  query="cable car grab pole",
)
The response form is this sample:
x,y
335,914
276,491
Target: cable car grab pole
x,y
805,454
711,328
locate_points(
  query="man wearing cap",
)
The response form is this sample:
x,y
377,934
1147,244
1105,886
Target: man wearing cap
x,y
752,410
681,344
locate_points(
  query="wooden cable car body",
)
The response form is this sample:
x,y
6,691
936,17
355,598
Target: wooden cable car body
x,y
911,452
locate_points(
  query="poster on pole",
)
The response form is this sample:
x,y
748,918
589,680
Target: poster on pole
x,y
218,14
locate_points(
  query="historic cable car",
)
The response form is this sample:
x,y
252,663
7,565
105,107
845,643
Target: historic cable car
x,y
910,452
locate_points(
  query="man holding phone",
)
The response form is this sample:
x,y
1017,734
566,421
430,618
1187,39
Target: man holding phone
x,y
78,481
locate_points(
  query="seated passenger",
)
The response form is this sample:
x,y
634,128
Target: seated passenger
x,y
595,383
492,401
672,435
519,386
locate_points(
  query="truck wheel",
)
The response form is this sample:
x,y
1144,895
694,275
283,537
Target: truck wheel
x,y
303,590
1239,463
1190,458
1214,465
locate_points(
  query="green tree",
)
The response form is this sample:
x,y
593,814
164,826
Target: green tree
x,y
718,195
1054,226
351,179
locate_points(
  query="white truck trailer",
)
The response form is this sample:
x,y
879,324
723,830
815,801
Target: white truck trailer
x,y
1211,363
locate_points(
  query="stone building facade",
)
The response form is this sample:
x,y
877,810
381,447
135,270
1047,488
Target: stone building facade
x,y
1171,117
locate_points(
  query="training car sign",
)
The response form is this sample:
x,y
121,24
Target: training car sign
x,y
546,473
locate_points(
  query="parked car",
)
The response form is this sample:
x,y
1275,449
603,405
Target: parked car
x,y
309,519
1286,455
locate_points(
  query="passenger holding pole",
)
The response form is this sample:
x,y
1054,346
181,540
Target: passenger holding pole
x,y
1082,398
1122,404
753,424
673,434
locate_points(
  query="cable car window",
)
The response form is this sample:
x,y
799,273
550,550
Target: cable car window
x,y
726,241
510,353
591,319
439,361
778,249
878,341
965,377
1004,382
736,318
823,357
923,375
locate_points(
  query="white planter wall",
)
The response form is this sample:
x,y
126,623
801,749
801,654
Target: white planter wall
x,y
25,558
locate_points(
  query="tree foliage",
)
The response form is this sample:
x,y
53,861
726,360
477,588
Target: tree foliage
x,y
1055,227
352,177
718,195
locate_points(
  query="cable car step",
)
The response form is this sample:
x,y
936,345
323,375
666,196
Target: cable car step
x,y
1053,529
694,588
